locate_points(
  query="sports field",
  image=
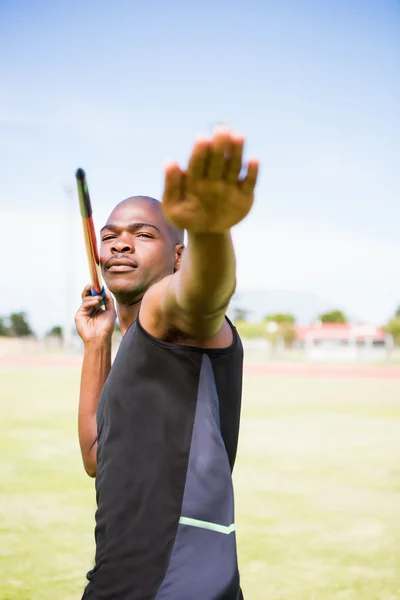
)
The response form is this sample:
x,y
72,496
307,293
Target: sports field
x,y
317,485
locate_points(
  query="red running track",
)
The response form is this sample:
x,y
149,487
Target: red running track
x,y
309,370
324,370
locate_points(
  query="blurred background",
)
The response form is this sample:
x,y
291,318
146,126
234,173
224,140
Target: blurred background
x,y
119,89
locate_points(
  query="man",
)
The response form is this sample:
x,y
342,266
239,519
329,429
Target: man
x,y
159,430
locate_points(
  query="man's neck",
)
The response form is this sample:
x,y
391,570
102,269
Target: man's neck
x,y
127,314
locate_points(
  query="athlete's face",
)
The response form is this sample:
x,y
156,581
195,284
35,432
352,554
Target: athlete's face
x,y
136,249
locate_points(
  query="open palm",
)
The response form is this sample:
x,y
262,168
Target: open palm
x,y
210,196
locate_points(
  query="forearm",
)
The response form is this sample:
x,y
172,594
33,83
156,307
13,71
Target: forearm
x,y
95,369
207,277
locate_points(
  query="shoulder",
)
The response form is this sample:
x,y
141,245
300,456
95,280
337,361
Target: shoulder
x,y
157,318
151,309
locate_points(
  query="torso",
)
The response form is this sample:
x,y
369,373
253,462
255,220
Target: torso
x,y
168,422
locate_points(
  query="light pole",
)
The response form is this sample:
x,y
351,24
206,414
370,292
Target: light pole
x,y
69,262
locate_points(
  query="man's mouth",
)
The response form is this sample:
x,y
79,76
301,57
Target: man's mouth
x,y
120,265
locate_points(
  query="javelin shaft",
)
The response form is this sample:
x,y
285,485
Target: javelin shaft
x,y
89,233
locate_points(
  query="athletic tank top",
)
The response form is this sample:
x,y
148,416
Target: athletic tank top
x,y
168,423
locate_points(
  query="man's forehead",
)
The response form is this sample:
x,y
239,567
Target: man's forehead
x,y
136,212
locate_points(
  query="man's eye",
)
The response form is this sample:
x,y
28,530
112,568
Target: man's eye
x,y
107,237
146,235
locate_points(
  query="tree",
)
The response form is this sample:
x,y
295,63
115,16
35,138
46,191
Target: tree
x,y
285,330
397,313
333,316
288,333
393,328
19,325
250,330
281,319
4,328
57,331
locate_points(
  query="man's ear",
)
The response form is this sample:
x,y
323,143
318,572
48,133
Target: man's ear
x,y
179,248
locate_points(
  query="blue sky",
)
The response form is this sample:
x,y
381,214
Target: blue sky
x,y
120,89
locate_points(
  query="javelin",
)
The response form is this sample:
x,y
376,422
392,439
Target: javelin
x,y
97,288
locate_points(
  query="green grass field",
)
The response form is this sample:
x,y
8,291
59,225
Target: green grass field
x,y
317,489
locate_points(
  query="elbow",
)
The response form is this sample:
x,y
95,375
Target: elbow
x,y
89,459
90,466
91,470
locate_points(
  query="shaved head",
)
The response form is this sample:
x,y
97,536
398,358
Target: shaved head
x,y
177,235
138,247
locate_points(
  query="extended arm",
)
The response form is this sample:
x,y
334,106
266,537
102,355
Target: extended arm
x,y
206,200
197,296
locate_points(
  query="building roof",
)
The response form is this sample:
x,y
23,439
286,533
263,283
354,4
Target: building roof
x,y
339,331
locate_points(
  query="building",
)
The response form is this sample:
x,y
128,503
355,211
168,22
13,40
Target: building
x,y
343,341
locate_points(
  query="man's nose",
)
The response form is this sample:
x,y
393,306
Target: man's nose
x,y
122,245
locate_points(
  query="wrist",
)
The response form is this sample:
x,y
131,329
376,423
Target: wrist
x,y
98,342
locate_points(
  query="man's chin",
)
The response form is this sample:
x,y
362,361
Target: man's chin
x,y
125,292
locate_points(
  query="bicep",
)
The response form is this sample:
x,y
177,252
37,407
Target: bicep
x,y
161,313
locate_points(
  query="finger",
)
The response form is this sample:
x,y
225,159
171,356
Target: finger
x,y
249,182
86,291
220,152
234,164
94,312
199,158
92,309
91,301
173,183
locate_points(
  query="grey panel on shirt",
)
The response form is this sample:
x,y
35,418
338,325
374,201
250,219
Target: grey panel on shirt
x,y
208,497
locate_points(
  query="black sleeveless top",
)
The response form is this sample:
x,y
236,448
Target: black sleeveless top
x,y
168,423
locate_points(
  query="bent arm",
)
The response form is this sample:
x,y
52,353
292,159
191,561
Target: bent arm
x,y
95,369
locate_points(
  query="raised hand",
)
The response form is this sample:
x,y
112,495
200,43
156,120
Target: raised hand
x,y
92,322
210,196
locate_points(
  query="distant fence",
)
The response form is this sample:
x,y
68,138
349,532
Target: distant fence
x,y
255,349
321,353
